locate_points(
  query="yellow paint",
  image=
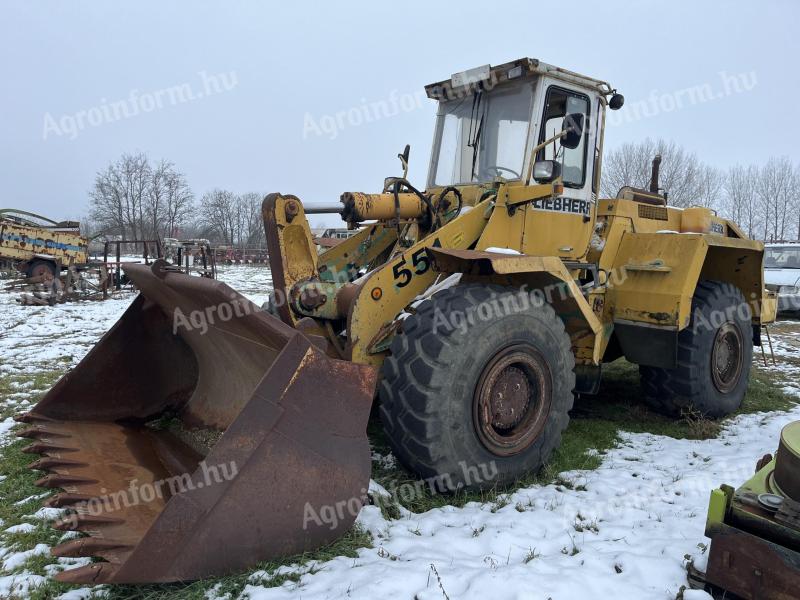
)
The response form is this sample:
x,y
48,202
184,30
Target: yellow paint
x,y
648,269
717,508
402,279
24,243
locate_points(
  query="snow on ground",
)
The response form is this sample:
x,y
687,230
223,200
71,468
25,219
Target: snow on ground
x,y
254,281
33,338
28,333
622,530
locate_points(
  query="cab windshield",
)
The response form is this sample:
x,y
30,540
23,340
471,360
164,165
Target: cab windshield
x,y
482,136
782,257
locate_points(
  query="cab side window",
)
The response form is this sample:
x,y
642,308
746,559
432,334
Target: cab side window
x,y
558,104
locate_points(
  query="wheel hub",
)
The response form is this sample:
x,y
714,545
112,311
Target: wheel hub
x,y
512,400
509,397
726,357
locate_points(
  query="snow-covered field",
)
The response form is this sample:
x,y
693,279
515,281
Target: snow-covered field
x,y
620,531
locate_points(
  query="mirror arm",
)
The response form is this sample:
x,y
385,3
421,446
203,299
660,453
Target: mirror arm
x,y
535,151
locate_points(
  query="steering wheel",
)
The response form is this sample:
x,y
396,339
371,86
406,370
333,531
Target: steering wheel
x,y
498,168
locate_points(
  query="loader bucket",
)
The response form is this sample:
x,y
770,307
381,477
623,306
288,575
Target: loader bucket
x,y
197,447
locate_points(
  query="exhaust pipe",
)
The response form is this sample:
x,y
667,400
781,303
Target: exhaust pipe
x,y
654,174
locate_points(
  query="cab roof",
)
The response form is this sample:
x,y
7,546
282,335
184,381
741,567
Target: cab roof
x,y
486,77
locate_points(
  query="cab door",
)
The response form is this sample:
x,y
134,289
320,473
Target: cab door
x,y
562,225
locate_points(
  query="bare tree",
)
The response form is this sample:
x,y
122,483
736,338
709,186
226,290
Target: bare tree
x,y
231,219
218,214
777,196
795,187
252,220
740,201
683,178
117,196
170,200
132,199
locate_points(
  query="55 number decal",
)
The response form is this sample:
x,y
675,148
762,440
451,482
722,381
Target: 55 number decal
x,y
419,262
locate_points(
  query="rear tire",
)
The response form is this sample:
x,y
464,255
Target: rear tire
x,y
714,356
475,402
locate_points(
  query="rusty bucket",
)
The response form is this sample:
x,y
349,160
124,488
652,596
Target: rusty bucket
x,y
197,440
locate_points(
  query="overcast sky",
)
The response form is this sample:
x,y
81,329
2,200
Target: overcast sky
x,y
84,82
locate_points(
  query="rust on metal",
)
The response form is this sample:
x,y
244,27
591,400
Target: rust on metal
x,y
726,357
132,436
512,400
753,568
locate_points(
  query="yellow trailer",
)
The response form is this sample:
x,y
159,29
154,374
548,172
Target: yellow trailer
x,y
39,246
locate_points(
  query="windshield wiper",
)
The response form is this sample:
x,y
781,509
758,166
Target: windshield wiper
x,y
474,142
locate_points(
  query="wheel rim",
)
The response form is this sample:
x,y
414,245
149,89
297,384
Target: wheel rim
x,y
726,357
512,400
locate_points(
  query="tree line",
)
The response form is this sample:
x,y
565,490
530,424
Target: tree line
x,y
763,199
134,198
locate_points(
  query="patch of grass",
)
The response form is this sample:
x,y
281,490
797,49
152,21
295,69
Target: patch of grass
x,y
531,555
18,485
233,585
764,396
39,381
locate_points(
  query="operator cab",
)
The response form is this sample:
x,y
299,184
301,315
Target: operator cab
x,y
525,123
491,119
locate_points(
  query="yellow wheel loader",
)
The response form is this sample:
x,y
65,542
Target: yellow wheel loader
x,y
471,312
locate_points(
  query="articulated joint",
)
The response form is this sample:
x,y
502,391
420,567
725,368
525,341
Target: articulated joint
x,y
322,299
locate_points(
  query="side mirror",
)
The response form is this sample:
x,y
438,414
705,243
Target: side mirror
x,y
573,126
404,160
545,171
616,102
406,152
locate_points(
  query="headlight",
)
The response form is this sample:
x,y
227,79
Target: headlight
x,y
545,171
789,290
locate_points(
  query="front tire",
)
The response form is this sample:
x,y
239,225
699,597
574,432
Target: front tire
x,y
714,356
478,387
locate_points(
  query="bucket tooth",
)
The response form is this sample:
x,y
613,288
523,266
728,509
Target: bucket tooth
x,y
32,417
40,431
45,447
57,480
66,499
49,462
88,546
79,522
94,573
